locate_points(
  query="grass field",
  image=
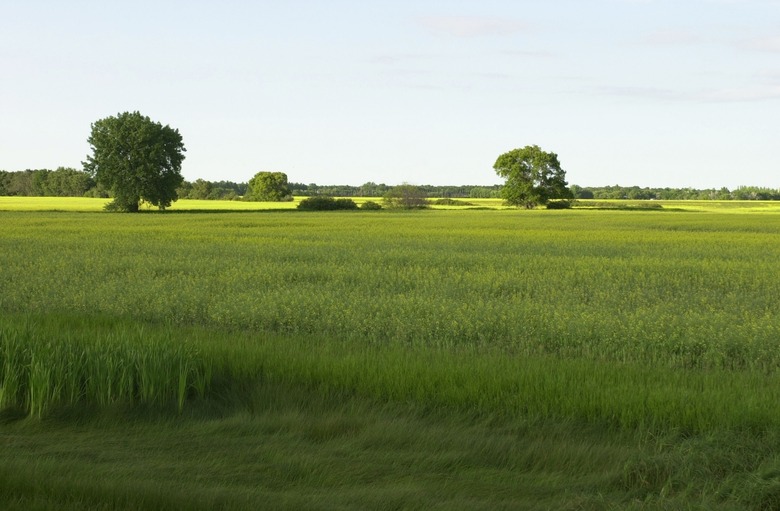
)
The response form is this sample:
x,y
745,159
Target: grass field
x,y
450,359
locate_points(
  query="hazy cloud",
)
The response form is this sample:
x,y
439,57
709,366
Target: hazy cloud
x,y
656,93
761,93
471,26
398,58
672,36
731,95
769,44
530,53
756,2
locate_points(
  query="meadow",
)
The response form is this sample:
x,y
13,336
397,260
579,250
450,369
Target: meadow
x,y
459,359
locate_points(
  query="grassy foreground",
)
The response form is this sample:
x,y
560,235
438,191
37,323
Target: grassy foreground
x,y
297,423
441,359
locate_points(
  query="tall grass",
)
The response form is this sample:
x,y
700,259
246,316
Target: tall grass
x,y
42,367
162,367
656,319
687,290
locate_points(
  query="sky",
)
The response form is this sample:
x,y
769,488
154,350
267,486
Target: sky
x,y
677,93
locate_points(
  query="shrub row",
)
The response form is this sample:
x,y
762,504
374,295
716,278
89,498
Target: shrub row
x,y
326,203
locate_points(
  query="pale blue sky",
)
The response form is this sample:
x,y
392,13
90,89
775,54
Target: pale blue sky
x,y
632,92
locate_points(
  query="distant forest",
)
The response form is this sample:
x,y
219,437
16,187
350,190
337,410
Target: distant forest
x,y
69,182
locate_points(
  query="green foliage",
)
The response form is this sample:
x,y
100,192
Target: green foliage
x,y
63,182
406,196
201,189
69,182
580,193
484,192
533,177
647,193
371,205
98,192
21,183
325,203
137,159
269,187
345,203
559,204
371,189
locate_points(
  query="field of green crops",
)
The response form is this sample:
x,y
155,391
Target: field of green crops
x,y
472,359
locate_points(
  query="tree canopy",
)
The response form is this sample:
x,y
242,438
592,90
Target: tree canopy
x,y
533,177
406,196
269,187
137,159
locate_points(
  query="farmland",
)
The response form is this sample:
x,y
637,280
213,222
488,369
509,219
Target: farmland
x,y
453,358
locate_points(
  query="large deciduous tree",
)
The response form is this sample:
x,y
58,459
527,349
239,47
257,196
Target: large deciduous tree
x,y
137,159
269,187
533,177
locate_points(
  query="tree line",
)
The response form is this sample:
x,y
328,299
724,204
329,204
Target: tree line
x,y
62,182
70,182
135,160
637,193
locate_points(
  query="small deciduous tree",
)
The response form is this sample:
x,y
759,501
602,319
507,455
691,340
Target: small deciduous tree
x,y
406,196
137,159
269,187
533,177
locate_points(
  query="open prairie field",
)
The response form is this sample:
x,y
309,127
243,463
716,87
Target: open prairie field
x,y
442,359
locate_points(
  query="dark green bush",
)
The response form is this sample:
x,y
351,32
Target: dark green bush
x,y
325,203
370,205
559,204
345,204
